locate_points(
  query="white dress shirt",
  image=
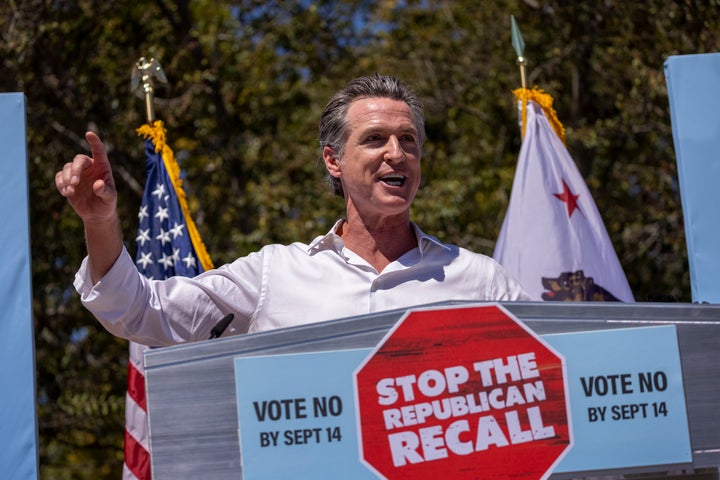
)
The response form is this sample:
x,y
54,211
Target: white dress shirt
x,y
287,285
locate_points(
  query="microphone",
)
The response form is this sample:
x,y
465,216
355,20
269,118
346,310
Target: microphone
x,y
221,326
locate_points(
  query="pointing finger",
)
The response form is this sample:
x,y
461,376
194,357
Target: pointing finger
x,y
99,152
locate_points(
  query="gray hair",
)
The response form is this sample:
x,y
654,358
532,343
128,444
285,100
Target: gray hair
x,y
334,129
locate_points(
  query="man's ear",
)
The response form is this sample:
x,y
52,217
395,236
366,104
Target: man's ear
x,y
332,162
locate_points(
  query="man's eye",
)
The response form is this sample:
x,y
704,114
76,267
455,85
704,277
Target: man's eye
x,y
373,139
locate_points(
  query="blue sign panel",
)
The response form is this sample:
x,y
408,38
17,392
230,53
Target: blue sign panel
x,y
297,416
18,430
692,81
626,397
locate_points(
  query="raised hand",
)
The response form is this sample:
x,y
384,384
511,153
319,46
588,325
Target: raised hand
x,y
87,182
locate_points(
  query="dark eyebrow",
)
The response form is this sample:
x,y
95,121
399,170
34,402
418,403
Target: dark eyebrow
x,y
373,130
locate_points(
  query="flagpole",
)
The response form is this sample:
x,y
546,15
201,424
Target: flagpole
x,y
519,45
136,463
143,74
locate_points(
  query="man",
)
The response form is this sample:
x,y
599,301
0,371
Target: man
x,y
375,259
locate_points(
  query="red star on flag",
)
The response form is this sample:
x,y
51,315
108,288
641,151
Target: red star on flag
x,y
569,198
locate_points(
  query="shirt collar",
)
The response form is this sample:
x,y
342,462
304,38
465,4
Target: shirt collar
x,y
332,240
426,241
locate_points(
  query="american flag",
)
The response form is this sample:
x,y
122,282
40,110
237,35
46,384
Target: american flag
x,y
168,244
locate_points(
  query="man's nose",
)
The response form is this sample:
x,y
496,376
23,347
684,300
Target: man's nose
x,y
394,152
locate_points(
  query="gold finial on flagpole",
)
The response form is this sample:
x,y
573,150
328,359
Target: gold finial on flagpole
x,y
519,46
143,72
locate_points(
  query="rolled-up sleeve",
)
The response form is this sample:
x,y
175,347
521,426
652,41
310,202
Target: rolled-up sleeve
x,y
118,301
167,312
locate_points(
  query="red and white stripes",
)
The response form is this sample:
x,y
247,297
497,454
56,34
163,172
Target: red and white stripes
x,y
137,449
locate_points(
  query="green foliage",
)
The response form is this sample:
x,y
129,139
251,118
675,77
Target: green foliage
x,y
247,82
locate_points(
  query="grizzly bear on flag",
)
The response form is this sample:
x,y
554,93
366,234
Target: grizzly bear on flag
x,y
575,287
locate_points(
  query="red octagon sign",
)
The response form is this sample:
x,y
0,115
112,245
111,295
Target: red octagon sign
x,y
465,392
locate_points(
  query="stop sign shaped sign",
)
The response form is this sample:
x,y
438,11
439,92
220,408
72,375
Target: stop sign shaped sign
x,y
462,392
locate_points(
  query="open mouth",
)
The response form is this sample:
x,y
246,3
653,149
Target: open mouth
x,y
393,180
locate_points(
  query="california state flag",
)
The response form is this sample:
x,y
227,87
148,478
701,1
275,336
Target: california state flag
x,y
553,239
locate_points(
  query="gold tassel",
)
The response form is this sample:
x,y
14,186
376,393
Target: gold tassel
x,y
546,103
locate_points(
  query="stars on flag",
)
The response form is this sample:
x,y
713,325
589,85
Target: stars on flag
x,y
167,260
162,213
176,231
163,236
143,235
142,214
145,259
159,191
163,248
189,261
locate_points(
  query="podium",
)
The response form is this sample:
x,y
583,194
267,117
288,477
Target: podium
x,y
191,391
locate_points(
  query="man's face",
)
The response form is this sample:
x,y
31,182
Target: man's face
x,y
380,168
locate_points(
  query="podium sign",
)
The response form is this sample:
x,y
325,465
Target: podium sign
x,y
468,392
298,413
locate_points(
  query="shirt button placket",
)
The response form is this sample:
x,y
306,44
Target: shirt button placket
x,y
375,286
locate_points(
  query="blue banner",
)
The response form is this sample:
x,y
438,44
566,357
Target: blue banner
x,y
626,397
692,82
298,416
18,419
